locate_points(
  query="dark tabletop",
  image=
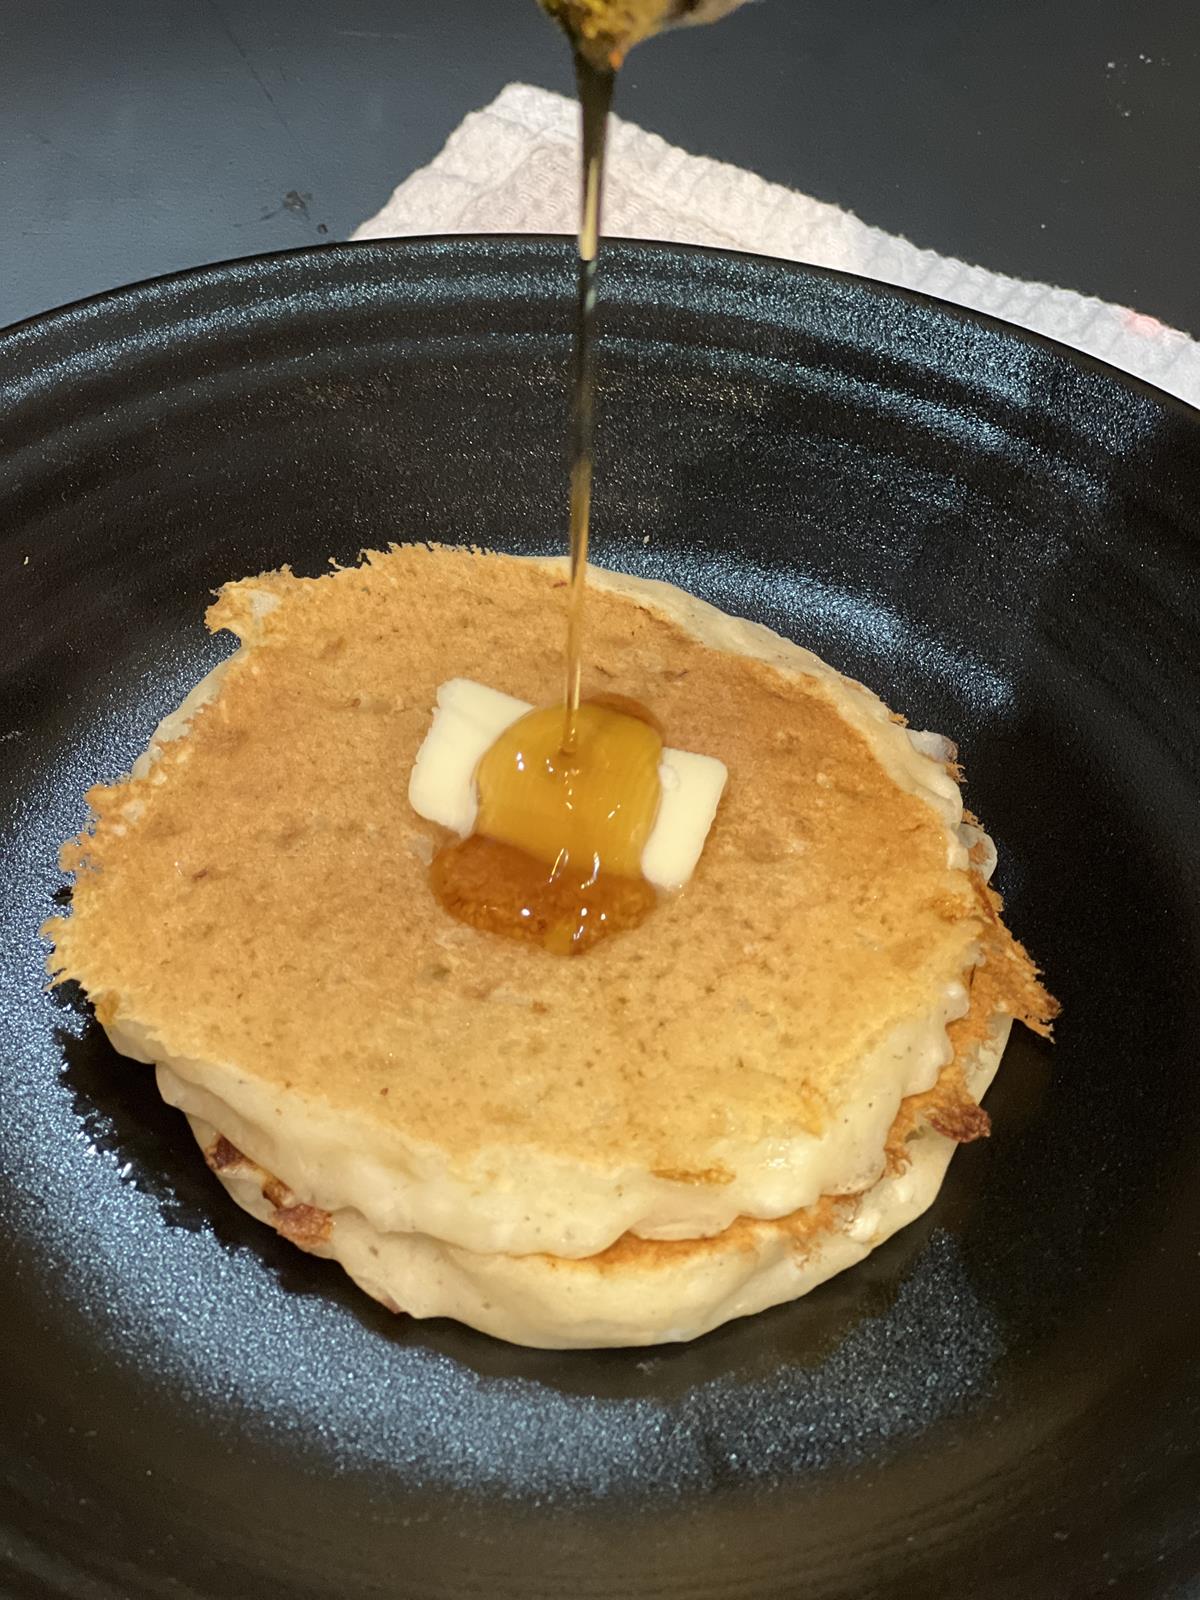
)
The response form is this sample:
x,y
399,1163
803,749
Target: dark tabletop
x,y
1051,139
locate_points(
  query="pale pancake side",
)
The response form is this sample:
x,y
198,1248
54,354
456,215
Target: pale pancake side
x,y
637,1292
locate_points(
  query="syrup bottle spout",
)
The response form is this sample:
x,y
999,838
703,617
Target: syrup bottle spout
x,y
604,31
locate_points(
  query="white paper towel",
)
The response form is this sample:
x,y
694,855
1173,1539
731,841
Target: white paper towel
x,y
513,168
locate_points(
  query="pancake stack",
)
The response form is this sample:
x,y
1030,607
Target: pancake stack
x,y
704,1116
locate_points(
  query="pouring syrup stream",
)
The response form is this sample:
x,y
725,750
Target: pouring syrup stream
x,y
595,86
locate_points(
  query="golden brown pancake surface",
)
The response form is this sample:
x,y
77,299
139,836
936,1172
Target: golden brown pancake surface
x,y
259,898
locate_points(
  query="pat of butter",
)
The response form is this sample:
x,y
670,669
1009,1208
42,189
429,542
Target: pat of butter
x,y
467,721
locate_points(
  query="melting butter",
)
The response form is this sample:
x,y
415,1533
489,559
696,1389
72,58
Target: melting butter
x,y
558,848
470,717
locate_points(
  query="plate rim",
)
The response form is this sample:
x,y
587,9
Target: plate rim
x,y
44,322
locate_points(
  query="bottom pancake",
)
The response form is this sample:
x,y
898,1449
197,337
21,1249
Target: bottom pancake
x,y
638,1292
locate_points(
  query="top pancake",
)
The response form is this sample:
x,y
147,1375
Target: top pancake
x,y
254,908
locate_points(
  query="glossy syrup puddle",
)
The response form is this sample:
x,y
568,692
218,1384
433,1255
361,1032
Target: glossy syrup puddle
x,y
555,858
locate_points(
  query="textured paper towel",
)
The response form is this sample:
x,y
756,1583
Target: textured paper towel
x,y
513,168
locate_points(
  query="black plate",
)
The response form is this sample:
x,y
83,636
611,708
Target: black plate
x,y
1000,536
